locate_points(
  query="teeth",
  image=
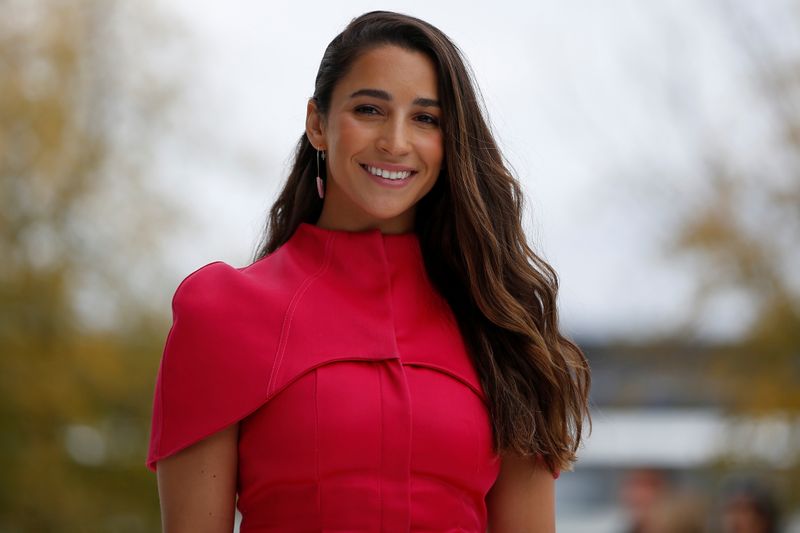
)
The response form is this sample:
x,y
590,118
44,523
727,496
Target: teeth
x,y
387,174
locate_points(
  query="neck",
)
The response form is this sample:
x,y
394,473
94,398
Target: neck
x,y
329,219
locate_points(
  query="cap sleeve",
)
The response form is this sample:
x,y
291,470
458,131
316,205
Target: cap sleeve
x,y
208,377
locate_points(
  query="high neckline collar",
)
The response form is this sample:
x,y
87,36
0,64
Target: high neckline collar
x,y
374,287
399,249
372,232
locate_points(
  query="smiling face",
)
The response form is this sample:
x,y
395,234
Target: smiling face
x,y
383,141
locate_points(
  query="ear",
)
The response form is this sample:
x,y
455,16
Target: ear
x,y
315,126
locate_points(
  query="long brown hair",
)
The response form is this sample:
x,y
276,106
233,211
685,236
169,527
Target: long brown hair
x,y
476,254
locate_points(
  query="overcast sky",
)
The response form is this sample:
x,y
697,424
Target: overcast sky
x,y
599,106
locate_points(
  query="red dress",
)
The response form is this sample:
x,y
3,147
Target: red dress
x,y
359,407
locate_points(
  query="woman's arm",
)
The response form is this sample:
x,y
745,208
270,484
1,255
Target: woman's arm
x,y
522,500
197,485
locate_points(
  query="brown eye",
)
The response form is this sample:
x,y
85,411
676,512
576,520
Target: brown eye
x,y
428,119
367,110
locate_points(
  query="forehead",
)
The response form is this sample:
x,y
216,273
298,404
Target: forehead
x,y
402,73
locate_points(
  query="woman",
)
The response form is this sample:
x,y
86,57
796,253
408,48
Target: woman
x,y
391,360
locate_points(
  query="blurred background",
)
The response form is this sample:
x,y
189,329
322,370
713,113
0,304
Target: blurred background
x,y
658,144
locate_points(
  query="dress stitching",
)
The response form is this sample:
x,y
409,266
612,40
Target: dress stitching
x,y
455,375
287,318
380,446
316,444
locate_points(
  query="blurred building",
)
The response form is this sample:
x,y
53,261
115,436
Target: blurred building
x,y
662,445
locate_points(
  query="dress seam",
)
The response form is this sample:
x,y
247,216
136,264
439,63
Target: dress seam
x,y
287,318
316,444
380,447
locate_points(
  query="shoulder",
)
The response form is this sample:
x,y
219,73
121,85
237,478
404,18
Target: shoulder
x,y
206,284
213,360
221,313
218,293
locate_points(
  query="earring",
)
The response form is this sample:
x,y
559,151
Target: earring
x,y
320,187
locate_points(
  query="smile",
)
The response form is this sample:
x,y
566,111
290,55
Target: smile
x,y
388,174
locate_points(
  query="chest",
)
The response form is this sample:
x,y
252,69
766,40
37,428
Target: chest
x,y
368,445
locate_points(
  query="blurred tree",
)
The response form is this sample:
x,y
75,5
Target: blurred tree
x,y
746,232
749,229
79,113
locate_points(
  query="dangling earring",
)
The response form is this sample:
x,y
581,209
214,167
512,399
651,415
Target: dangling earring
x,y
320,187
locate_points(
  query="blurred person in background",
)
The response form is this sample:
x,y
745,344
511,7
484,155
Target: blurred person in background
x,y
396,239
749,506
681,512
641,492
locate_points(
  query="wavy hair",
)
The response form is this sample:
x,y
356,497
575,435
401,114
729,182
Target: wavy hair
x,y
476,254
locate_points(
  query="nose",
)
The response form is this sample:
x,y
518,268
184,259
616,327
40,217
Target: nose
x,y
394,139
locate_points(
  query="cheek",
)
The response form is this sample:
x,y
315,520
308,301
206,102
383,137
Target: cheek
x,y
349,135
433,149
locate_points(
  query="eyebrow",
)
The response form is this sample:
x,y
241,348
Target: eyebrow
x,y
383,95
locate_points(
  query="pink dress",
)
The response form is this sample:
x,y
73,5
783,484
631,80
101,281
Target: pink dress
x,y
359,407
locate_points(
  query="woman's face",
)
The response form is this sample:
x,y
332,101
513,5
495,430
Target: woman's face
x,y
383,141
